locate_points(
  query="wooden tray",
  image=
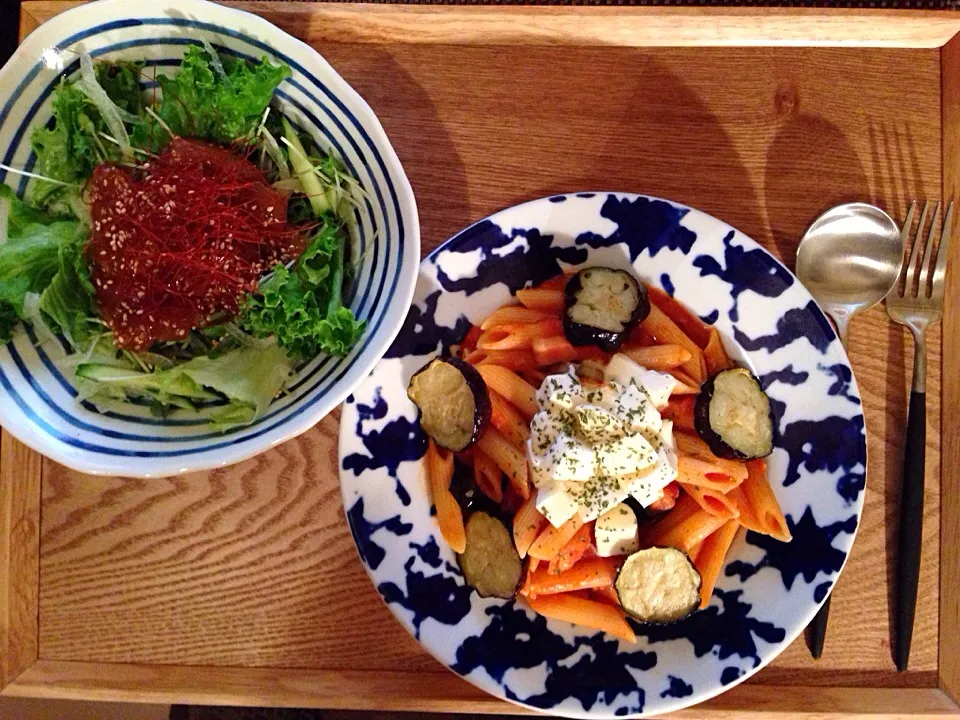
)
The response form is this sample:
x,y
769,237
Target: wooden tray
x,y
243,587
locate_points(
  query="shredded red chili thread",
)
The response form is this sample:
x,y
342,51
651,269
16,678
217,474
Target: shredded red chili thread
x,y
179,241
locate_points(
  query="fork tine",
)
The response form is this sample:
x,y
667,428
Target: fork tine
x,y
926,265
900,288
915,254
943,253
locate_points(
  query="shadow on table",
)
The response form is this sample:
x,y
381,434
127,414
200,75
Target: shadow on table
x,y
658,137
422,141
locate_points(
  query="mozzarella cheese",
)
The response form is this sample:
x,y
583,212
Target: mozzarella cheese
x,y
591,448
560,391
658,386
597,425
555,504
568,460
616,532
626,457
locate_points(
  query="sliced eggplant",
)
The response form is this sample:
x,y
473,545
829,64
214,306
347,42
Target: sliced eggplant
x,y
471,499
732,415
490,562
453,401
602,307
659,585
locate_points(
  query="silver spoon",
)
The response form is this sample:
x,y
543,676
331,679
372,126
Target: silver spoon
x,y
849,259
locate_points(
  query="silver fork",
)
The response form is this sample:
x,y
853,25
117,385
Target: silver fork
x,y
916,301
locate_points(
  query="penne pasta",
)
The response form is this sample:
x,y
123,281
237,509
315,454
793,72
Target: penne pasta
x,y
607,595
680,411
449,515
518,336
692,531
715,355
513,314
528,523
549,543
470,339
759,509
666,332
692,326
545,299
487,476
658,357
510,359
585,575
511,386
692,446
712,501
556,349
571,553
582,611
691,471
557,282
508,458
508,420
709,558
534,377
685,507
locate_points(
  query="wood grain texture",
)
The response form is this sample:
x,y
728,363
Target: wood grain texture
x,y
19,556
599,26
950,423
431,693
253,567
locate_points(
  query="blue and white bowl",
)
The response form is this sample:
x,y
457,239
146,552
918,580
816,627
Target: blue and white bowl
x,y
768,590
38,402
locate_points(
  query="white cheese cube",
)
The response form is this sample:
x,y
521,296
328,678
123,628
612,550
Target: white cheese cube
x,y
597,425
569,460
538,472
559,391
555,504
659,386
598,495
647,489
626,457
668,446
622,370
616,532
637,410
544,428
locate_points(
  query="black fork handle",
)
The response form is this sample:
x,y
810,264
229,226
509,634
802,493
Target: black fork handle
x,y
911,528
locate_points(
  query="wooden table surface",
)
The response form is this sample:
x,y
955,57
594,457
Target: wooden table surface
x,y
243,585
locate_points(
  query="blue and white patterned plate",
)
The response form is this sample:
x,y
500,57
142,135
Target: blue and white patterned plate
x,y
38,401
768,590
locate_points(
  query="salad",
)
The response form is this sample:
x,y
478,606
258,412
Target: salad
x,y
593,452
187,246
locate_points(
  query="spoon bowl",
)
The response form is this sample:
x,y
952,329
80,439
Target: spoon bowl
x,y
849,259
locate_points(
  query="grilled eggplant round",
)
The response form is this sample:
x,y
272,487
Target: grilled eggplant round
x,y
490,562
453,401
732,415
602,306
659,585
471,498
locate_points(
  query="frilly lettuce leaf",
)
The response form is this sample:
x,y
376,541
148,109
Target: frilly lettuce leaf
x,y
30,256
197,103
303,308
